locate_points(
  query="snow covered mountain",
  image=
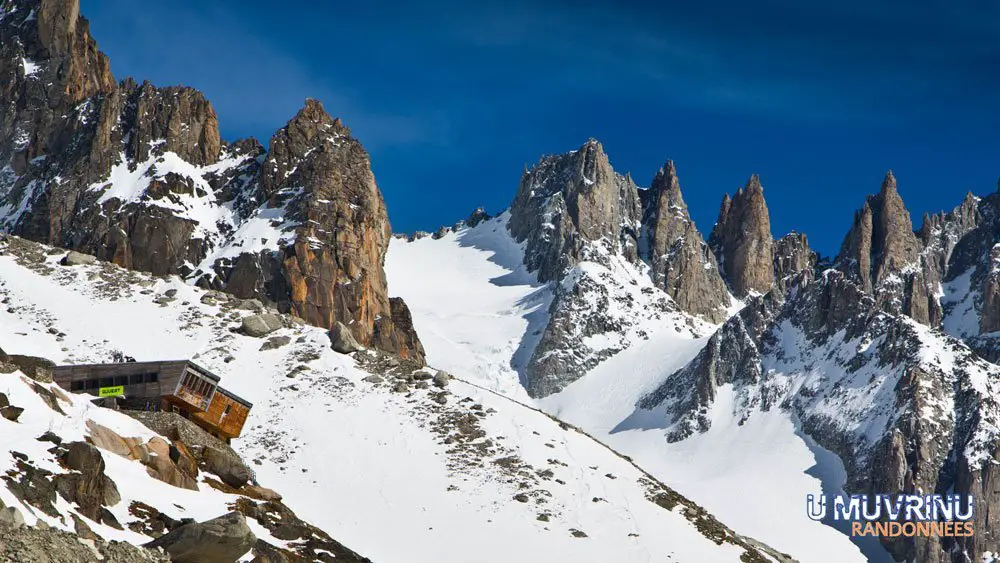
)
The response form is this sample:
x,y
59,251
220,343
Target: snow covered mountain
x,y
365,448
742,371
139,176
869,373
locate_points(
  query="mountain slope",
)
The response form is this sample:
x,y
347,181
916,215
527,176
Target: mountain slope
x,y
826,380
450,473
732,470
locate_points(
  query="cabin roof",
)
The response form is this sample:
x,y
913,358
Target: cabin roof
x,y
235,397
204,371
146,366
129,366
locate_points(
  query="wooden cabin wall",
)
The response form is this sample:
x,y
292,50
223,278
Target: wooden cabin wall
x,y
232,424
168,374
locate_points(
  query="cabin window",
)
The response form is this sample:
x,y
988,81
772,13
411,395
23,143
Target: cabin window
x,y
152,377
121,380
226,410
107,381
92,384
78,385
135,379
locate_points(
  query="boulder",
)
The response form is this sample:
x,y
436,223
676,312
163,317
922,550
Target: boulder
x,y
230,470
441,378
261,493
87,486
261,325
247,304
75,258
275,342
39,369
82,456
11,517
341,339
221,540
11,413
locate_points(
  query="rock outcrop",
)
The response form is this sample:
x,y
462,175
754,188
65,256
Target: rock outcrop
x,y
741,240
221,540
139,176
681,263
48,545
567,201
579,222
889,261
909,411
792,255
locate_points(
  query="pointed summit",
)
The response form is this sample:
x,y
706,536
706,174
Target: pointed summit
x,y
568,200
889,183
881,242
666,181
742,240
682,264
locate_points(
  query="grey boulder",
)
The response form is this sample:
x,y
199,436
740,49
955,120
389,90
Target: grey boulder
x,y
221,540
10,516
75,258
341,339
261,325
229,469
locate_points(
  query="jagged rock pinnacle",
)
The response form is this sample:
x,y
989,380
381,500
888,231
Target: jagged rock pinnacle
x,y
682,263
742,240
889,183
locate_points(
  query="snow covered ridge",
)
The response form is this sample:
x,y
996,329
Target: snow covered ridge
x,y
905,407
363,447
602,305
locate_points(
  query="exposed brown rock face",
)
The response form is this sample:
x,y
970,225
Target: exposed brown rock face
x,y
139,176
178,117
568,200
883,254
332,272
882,241
742,240
682,264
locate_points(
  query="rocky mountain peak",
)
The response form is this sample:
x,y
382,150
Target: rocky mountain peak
x,y
134,174
889,182
882,241
682,264
666,184
54,35
568,201
175,119
312,129
742,240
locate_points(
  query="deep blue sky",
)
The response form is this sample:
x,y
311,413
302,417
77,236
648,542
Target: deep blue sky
x,y
452,99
